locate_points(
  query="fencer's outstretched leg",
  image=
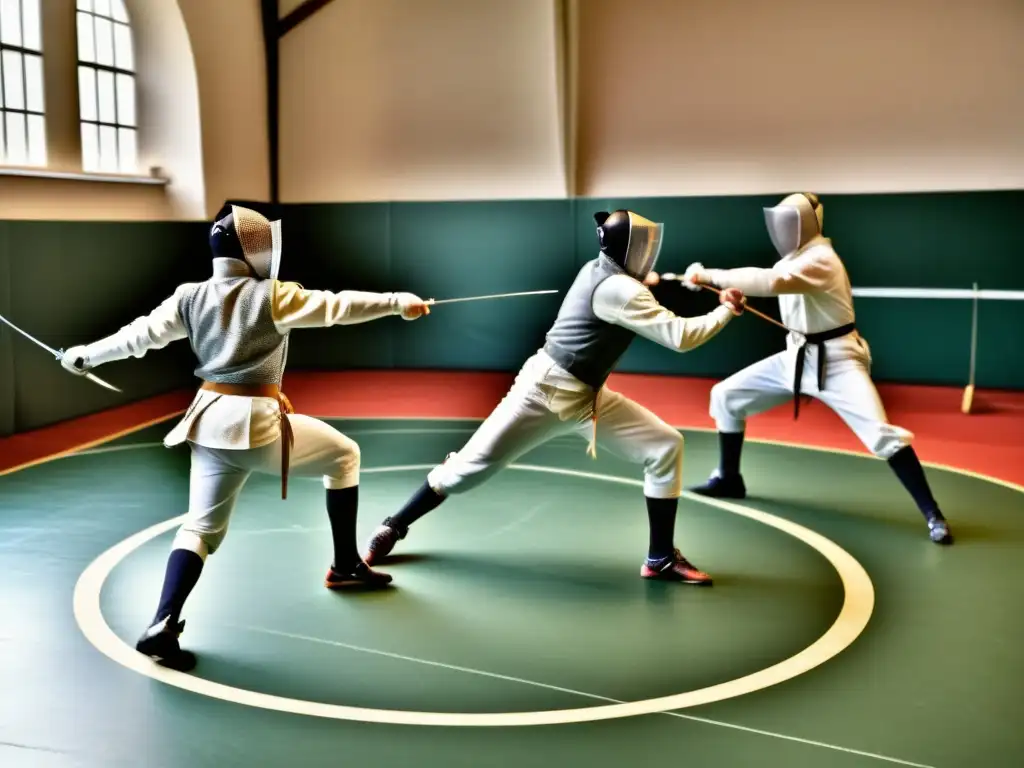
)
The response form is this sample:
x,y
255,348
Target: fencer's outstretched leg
x,y
347,569
521,422
664,561
160,640
396,527
852,394
908,469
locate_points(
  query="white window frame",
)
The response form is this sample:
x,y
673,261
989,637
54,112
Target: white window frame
x,y
125,128
34,114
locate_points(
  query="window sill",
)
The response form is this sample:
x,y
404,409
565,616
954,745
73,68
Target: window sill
x,y
115,178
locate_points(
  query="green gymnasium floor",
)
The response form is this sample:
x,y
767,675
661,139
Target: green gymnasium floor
x,y
836,634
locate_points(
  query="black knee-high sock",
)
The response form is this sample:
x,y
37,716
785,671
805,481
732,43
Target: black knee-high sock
x,y
421,502
661,513
343,510
183,569
730,445
910,472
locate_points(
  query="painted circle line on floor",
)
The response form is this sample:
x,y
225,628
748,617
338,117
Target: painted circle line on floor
x,y
858,604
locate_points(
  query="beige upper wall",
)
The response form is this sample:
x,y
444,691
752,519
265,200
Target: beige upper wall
x,y
227,44
733,96
421,99
202,113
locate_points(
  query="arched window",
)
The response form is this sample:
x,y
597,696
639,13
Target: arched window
x,y
23,123
106,87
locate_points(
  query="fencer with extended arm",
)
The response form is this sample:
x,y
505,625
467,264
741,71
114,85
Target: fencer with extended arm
x,y
623,301
292,307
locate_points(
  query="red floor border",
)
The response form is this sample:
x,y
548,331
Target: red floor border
x,y
988,442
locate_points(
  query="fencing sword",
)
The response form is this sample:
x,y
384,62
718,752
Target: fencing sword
x,y
434,302
59,355
762,315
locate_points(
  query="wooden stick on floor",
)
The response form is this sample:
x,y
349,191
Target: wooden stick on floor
x,y
968,399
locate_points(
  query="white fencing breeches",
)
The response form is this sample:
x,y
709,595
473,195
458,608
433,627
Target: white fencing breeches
x,y
848,390
218,474
527,417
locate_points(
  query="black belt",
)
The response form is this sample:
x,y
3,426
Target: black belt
x,y
817,339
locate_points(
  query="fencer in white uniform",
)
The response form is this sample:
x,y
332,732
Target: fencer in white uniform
x,y
238,324
825,356
561,389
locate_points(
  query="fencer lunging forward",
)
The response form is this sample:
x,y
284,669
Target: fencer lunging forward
x,y
238,324
561,389
827,358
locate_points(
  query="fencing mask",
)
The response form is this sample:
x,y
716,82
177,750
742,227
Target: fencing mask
x,y
794,222
630,240
243,234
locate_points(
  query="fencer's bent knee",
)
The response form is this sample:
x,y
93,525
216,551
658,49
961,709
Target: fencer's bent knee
x,y
345,470
719,398
673,447
193,542
351,457
210,537
666,451
888,441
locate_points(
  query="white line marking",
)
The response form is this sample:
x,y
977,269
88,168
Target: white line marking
x,y
854,615
571,691
515,523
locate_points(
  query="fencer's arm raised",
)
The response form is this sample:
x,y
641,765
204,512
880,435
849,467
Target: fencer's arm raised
x,y
804,274
153,331
296,307
623,301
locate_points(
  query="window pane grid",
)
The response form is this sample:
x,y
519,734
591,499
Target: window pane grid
x,y
106,84
22,105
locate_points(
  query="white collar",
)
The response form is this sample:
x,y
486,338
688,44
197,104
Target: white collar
x,y
225,267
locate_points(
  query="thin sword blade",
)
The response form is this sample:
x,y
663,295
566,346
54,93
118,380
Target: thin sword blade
x,y
57,355
433,302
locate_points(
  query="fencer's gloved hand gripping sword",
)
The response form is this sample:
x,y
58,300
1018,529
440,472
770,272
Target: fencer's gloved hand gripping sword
x,y
59,355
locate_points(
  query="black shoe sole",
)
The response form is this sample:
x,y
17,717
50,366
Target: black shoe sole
x,y
165,654
714,493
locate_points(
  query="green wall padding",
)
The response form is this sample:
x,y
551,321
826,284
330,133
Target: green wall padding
x,y
69,283
931,240
73,282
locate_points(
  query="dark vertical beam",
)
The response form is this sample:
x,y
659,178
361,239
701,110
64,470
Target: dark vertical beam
x,y
299,15
567,79
270,44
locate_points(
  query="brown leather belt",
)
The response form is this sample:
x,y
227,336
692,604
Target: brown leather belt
x,y
274,392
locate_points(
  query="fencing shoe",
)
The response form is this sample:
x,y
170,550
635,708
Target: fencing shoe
x,y
383,541
675,568
160,643
721,487
360,577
